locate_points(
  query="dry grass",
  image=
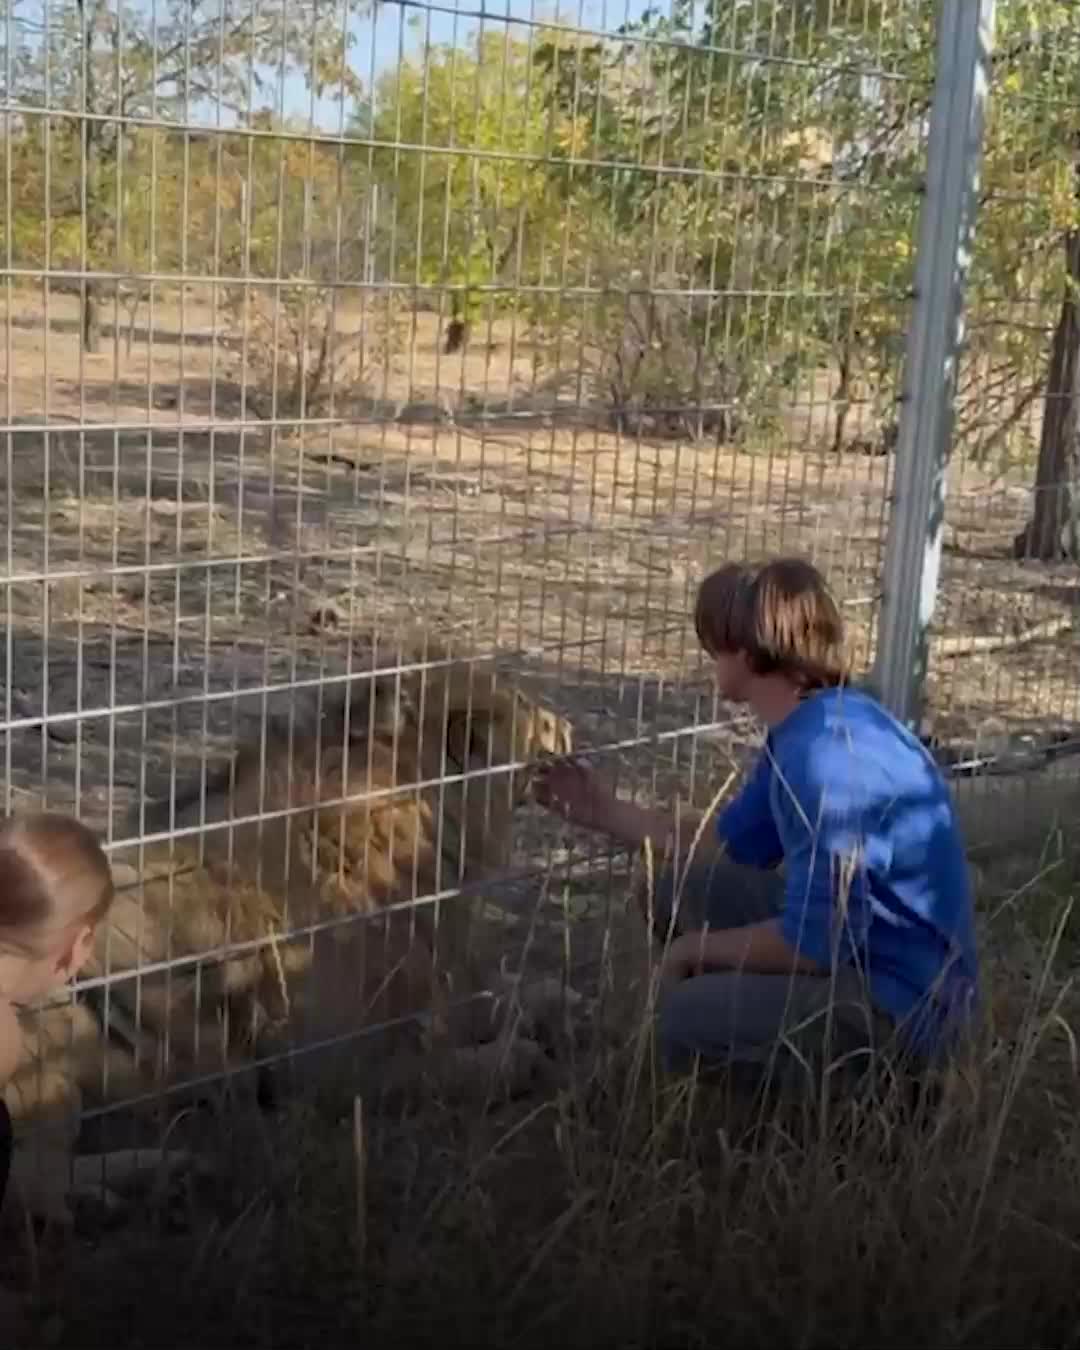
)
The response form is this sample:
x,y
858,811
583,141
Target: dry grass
x,y
620,1209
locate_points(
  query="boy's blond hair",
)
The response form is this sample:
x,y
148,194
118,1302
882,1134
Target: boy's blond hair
x,y
780,614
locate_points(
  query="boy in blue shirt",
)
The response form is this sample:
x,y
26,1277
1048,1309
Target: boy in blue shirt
x,y
868,938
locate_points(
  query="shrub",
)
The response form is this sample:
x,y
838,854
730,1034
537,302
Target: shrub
x,y
296,357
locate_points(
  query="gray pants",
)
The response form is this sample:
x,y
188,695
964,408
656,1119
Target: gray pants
x,y
735,1017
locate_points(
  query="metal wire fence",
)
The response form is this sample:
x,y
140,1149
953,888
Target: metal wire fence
x,y
1001,684
1006,571
330,332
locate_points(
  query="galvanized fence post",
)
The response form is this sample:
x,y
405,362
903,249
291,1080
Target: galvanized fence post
x,y
946,232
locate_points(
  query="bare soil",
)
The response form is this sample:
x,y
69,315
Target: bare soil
x,y
164,554
159,547
163,559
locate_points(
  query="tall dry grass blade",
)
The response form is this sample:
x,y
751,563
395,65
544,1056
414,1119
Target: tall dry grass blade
x,y
1031,1034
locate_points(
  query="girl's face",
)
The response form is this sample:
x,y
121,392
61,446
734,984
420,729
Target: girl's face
x,y
25,977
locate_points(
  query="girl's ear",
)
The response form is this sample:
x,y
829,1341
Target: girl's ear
x,y
76,953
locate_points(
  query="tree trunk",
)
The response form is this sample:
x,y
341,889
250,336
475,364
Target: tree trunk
x,y
842,398
457,330
457,335
91,133
1053,532
91,318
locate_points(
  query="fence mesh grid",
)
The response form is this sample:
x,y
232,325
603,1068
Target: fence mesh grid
x,y
1001,692
1006,577
331,329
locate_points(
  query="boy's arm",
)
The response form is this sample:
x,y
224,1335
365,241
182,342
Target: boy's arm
x,y
824,879
675,832
744,829
632,824
572,790
823,815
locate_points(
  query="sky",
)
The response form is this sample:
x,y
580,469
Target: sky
x,y
390,31
395,29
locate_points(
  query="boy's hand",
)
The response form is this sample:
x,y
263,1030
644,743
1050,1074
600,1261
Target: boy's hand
x,y
684,958
571,789
759,948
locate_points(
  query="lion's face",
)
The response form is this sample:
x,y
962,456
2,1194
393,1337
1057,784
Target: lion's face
x,y
487,727
549,734
504,728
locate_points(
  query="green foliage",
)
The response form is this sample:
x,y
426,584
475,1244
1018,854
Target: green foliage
x,y
763,177
802,147
754,182
1029,206
115,61
460,139
643,340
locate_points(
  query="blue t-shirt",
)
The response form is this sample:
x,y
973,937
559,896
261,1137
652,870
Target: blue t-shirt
x,y
876,873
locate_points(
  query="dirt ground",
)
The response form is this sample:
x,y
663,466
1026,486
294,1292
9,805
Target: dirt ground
x,y
186,548
164,556
163,559
186,552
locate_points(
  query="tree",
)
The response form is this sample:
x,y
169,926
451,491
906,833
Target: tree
x,y
1053,530
1034,178
814,133
787,243
44,202
106,62
462,135
300,241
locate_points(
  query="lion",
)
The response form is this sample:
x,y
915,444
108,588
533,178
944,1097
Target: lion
x,y
44,1098
403,790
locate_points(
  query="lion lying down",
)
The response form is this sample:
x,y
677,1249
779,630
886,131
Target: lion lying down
x,y
373,812
378,827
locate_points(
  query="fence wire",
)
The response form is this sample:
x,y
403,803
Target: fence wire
x,y
1002,687
330,331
